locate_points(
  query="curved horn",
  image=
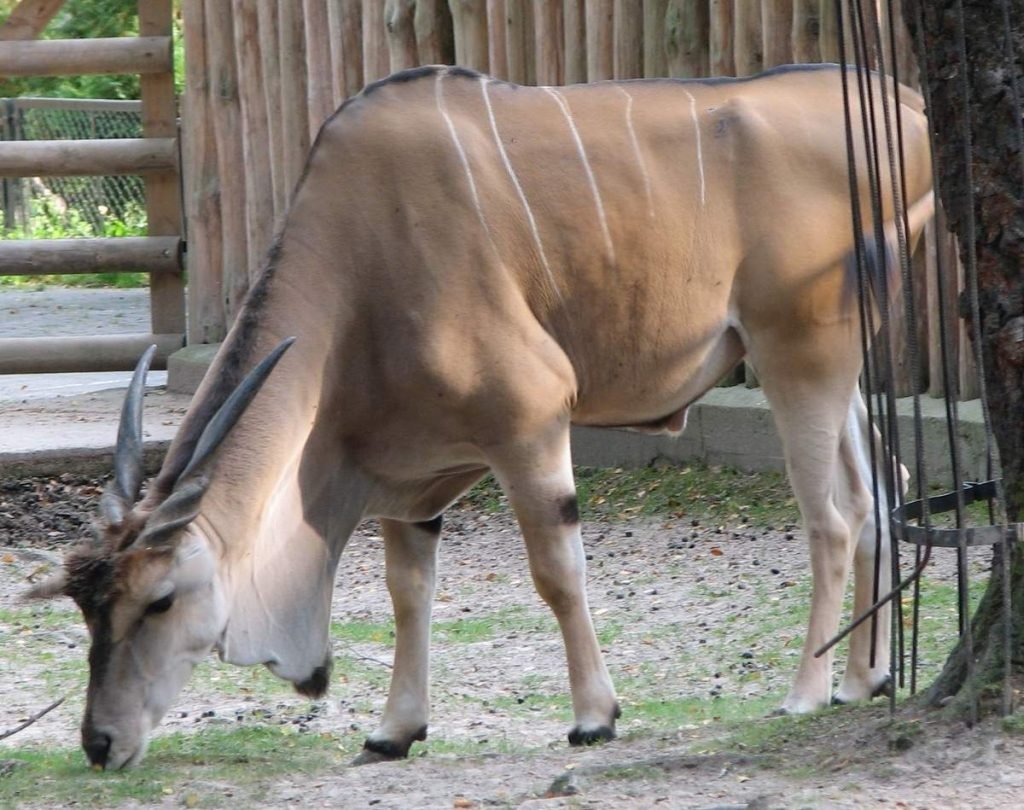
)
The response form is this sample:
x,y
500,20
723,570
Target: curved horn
x,y
123,491
182,504
234,406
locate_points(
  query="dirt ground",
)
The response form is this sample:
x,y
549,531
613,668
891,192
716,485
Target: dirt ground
x,y
700,612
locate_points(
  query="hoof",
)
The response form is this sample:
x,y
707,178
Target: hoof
x,y
581,736
387,751
884,689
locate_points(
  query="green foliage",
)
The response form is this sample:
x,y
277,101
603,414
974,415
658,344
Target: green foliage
x,y
51,221
81,19
86,19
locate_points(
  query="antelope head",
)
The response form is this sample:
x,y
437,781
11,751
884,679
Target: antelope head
x,y
147,581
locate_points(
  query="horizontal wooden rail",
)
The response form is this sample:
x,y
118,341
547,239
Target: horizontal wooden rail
x,y
99,157
122,254
77,104
77,57
57,355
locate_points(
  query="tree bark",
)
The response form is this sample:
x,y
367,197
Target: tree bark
x,y
977,99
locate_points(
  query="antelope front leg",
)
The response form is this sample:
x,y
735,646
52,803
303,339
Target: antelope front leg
x,y
543,495
410,555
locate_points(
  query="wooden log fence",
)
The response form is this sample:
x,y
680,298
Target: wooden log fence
x,y
287,71
153,156
261,76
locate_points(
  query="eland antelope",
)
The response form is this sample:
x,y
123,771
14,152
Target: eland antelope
x,y
469,267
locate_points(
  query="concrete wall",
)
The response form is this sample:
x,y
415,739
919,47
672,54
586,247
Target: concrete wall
x,y
734,426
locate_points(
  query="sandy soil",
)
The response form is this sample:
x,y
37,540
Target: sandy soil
x,y
684,609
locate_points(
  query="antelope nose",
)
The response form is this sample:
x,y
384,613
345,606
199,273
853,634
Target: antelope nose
x,y
97,747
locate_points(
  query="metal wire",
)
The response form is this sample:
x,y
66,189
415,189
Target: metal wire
x,y
81,205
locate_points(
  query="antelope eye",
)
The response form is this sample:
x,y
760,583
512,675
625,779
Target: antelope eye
x,y
161,605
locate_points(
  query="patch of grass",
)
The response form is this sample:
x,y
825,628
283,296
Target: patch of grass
x,y
696,490
631,773
460,747
666,714
208,768
40,283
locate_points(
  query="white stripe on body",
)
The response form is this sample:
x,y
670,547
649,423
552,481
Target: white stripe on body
x,y
636,149
484,81
558,97
442,107
700,152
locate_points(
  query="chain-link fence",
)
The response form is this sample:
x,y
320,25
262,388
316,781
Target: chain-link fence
x,y
54,207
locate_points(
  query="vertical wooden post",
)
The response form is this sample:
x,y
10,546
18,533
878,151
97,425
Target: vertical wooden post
x,y
294,109
345,23
519,41
829,28
806,31
600,28
497,39
628,32
231,167
259,186
206,318
906,63
163,190
686,38
748,43
721,58
270,44
574,24
434,36
547,39
398,21
319,87
469,18
655,59
777,30
376,61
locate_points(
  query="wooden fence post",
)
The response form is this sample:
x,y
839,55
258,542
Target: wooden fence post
x,y
345,23
227,129
748,43
777,30
398,21
319,78
686,38
806,31
206,317
434,36
628,30
469,20
294,109
270,45
163,188
259,186
574,24
547,42
655,59
522,69
721,57
497,39
600,27
376,61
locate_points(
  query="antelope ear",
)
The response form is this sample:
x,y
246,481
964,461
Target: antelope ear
x,y
50,587
175,513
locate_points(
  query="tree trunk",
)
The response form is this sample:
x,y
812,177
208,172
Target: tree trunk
x,y
979,100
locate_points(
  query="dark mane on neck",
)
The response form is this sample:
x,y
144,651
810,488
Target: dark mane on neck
x,y
234,361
